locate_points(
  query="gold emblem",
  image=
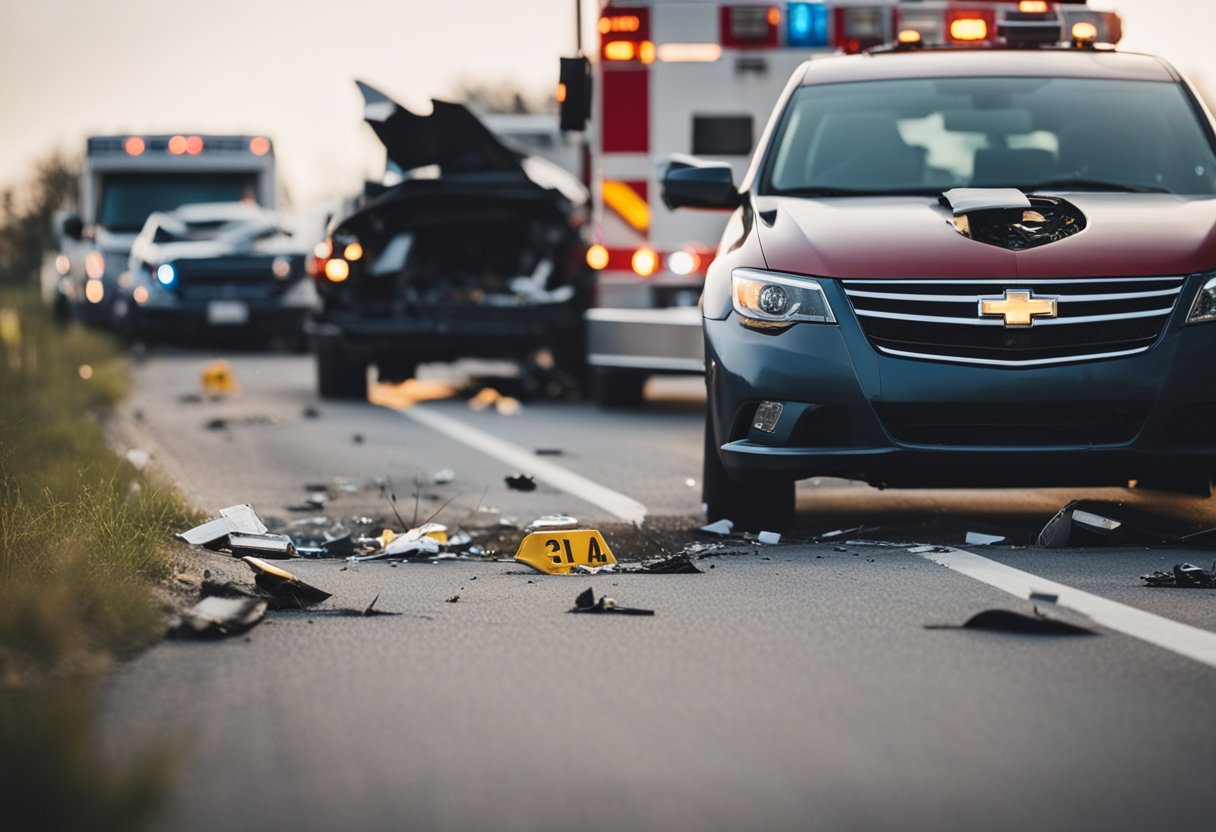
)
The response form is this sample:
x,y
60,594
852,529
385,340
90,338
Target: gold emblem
x,y
1019,307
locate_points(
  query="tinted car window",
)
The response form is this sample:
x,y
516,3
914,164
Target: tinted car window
x,y
929,135
128,199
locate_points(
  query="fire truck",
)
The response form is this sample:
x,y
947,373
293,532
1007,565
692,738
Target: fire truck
x,y
698,78
124,179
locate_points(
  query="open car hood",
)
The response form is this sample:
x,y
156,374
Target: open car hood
x,y
450,137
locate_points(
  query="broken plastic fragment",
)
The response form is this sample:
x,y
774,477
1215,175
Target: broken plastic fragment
x,y
263,545
1183,576
444,476
979,539
218,378
283,587
239,519
720,527
552,522
770,538
674,565
216,617
521,482
556,553
586,602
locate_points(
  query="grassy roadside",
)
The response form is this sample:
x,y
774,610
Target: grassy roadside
x,y
82,545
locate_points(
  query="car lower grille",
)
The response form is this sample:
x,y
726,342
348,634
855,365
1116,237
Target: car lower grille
x,y
939,320
1013,424
242,278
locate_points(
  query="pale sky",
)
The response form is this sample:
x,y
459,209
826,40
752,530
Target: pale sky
x,y
285,68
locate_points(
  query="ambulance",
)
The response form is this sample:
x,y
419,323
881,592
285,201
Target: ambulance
x,y
698,78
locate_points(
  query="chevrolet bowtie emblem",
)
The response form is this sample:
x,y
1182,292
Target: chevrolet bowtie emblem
x,y
1019,307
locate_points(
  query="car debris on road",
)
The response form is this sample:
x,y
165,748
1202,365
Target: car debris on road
x,y
587,602
285,590
1183,576
1095,523
557,553
1007,621
218,617
521,482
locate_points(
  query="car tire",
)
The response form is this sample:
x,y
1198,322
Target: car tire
x,y
753,507
618,389
338,375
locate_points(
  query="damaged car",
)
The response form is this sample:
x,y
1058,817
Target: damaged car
x,y
215,266
475,251
963,268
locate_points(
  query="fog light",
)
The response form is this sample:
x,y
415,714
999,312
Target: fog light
x,y
773,300
767,416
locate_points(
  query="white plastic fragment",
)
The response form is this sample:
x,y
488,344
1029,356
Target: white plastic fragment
x,y
1096,521
552,522
722,527
980,539
920,550
443,476
771,538
138,458
241,519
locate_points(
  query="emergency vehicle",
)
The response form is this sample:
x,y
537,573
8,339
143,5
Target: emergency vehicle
x,y
700,77
123,181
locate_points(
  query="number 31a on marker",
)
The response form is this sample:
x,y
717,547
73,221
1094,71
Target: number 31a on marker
x,y
558,554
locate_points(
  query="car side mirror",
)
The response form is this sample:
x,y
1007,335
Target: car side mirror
x,y
694,184
72,227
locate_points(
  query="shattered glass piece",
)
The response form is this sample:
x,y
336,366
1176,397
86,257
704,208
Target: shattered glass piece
x,y
283,587
719,527
552,522
521,482
218,617
586,602
980,539
262,545
769,538
443,476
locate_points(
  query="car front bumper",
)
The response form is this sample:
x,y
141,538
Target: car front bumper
x,y
852,412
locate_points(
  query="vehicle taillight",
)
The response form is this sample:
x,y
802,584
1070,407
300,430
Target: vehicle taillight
x,y
749,27
861,27
134,146
645,262
970,25
177,145
259,145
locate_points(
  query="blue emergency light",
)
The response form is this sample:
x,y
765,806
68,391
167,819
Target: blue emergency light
x,y
807,24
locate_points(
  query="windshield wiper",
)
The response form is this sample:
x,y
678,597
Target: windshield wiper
x,y
1091,185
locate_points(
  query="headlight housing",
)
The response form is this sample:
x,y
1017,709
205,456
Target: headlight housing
x,y
1204,307
774,301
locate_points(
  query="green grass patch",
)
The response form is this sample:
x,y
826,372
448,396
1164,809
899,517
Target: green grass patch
x,y
82,543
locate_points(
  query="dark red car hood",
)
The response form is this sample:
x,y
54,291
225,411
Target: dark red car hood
x,y
892,237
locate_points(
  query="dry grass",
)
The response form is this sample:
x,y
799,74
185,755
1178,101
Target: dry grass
x,y
82,544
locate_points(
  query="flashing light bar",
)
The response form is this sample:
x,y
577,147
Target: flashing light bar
x,y
177,145
807,24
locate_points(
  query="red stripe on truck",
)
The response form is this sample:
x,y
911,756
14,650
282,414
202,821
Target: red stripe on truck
x,y
626,110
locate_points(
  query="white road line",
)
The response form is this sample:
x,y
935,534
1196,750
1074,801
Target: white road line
x,y
613,502
1174,636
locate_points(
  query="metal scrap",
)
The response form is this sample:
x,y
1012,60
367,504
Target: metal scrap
x,y
238,519
1183,576
263,545
587,602
284,589
521,482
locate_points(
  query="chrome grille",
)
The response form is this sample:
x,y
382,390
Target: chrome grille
x,y
939,320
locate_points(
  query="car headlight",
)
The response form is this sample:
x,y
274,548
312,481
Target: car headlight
x,y
767,300
1204,307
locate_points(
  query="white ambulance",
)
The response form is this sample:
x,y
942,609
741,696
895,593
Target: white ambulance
x,y
672,78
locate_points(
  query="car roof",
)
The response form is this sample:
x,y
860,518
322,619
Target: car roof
x,y
972,63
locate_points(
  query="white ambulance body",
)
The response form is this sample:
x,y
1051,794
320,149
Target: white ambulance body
x,y
700,78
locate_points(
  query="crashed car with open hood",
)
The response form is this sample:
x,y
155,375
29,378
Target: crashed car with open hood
x,y
963,268
476,252
209,267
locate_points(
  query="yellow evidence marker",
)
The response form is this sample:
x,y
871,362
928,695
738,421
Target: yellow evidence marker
x,y
218,378
558,552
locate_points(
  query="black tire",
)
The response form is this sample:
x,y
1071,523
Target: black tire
x,y
338,375
616,389
754,507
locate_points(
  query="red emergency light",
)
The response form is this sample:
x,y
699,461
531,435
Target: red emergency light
x,y
625,34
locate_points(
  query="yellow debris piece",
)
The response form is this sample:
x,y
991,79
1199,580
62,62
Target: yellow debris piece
x,y
557,553
218,379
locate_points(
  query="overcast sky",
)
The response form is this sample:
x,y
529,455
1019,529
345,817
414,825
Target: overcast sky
x,y
69,68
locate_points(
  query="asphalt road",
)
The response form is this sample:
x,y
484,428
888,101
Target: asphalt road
x,y
787,687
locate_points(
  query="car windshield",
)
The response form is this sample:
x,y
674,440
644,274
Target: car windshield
x,y
930,135
127,200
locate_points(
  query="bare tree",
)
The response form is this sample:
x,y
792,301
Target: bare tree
x,y
26,213
503,96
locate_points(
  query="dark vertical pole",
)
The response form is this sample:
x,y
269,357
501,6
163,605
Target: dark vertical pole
x,y
578,27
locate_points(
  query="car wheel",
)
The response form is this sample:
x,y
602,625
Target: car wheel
x,y
753,507
338,376
618,389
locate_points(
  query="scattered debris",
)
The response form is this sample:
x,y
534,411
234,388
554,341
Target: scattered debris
x,y
689,482
556,553
216,617
769,538
1183,576
139,458
507,406
552,522
453,599
357,438
217,424
311,412
1097,523
1007,621
718,527
238,519
521,482
674,565
263,545
485,397
549,452
923,550
1045,597
285,590
980,539
586,602
444,476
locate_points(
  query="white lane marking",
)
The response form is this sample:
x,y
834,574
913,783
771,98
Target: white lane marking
x,y
613,502
1174,636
